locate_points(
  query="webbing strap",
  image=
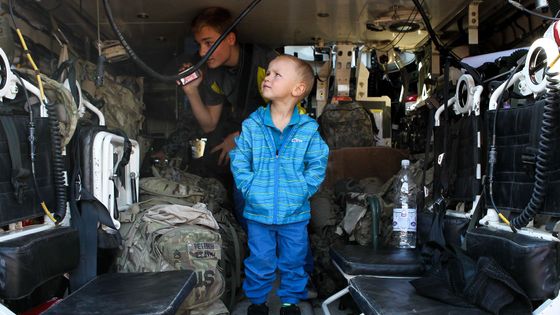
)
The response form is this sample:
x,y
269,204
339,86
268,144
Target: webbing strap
x,y
245,81
19,174
236,272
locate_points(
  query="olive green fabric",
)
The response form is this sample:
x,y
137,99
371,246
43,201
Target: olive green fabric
x,y
171,237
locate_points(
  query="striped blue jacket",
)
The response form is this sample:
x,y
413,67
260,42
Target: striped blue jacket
x,y
277,186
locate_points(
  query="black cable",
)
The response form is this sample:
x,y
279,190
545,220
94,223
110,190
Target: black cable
x,y
493,153
439,46
11,8
544,153
192,69
58,163
410,18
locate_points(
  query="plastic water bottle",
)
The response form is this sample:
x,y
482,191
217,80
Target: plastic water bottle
x,y
404,212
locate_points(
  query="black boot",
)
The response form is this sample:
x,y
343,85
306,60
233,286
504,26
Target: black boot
x,y
257,309
290,309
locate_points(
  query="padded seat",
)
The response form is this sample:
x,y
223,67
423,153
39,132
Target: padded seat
x,y
356,260
29,261
129,293
386,296
386,262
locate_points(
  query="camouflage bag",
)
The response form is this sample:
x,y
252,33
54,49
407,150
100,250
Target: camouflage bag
x,y
214,190
347,125
216,308
234,250
169,237
66,108
158,186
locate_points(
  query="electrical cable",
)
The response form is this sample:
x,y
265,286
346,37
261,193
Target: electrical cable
x,y
492,154
32,148
544,153
58,163
439,46
410,18
189,71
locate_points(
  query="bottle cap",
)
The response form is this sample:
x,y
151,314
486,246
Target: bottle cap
x,y
405,163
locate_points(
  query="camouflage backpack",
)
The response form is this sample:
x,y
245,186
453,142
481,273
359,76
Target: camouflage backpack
x,y
170,237
151,187
214,191
347,125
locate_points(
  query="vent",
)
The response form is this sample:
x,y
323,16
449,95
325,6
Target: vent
x,y
399,20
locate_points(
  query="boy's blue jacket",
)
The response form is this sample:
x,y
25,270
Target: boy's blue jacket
x,y
277,187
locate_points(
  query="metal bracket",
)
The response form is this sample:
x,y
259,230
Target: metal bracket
x,y
473,22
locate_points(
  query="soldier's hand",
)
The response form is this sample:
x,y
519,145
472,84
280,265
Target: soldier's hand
x,y
226,146
193,85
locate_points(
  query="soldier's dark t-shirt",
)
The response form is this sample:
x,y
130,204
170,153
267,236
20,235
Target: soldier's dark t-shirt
x,y
223,85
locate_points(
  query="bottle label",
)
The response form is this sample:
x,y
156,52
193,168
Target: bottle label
x,y
404,220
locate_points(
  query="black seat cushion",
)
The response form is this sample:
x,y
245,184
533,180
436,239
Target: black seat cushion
x,y
362,260
31,260
129,293
533,263
386,296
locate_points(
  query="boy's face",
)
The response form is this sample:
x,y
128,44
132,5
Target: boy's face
x,y
206,37
281,79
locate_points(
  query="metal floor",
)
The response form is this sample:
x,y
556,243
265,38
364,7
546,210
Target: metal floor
x,y
311,307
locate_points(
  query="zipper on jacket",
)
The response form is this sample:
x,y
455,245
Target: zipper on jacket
x,y
275,212
276,167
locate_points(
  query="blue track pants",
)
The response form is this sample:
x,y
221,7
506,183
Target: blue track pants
x,y
283,247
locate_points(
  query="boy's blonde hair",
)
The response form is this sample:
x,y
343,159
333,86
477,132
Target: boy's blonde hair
x,y
304,71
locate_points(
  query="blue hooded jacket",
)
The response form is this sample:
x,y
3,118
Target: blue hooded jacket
x,y
277,184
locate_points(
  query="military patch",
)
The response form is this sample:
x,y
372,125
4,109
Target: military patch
x,y
216,88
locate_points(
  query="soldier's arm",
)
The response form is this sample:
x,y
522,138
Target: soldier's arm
x,y
207,116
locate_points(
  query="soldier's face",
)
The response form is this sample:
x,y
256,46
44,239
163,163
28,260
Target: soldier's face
x,y
206,37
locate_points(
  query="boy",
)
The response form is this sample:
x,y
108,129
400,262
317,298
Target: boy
x,y
278,163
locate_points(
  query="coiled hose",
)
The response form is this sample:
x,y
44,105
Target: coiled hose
x,y
544,152
57,163
192,69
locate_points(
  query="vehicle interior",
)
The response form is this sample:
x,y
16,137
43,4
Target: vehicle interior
x,y
444,113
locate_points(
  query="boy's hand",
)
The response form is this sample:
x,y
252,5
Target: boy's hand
x,y
194,84
226,146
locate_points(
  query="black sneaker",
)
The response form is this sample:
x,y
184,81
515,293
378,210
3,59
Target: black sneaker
x,y
289,309
257,309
